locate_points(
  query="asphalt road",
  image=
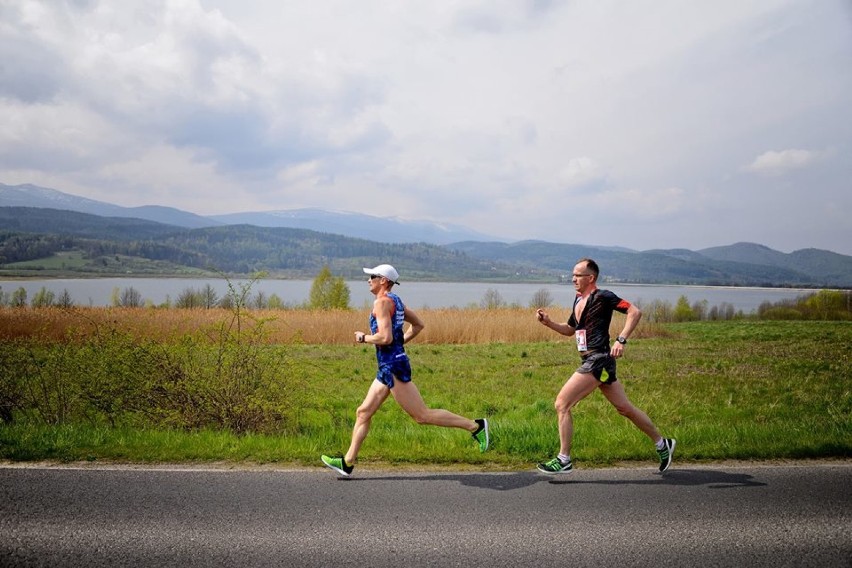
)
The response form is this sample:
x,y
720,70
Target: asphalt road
x,y
717,515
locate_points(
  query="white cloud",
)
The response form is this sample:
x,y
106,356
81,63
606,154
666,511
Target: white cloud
x,y
157,173
56,136
778,163
649,205
579,172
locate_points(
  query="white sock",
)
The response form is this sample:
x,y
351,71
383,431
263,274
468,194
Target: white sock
x,y
661,445
563,458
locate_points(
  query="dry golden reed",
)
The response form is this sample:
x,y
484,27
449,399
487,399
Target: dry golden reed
x,y
315,327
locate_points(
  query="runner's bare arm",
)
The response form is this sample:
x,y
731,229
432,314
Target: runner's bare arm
x,y
416,325
558,327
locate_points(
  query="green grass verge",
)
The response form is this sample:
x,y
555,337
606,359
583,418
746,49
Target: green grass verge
x,y
726,390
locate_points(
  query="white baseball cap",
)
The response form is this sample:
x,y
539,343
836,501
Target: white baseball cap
x,y
385,270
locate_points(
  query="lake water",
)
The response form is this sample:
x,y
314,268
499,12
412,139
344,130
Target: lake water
x,y
99,291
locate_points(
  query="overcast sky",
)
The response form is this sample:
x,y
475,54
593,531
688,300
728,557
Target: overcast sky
x,y
637,123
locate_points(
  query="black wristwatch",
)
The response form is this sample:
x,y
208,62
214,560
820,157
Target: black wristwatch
x,y
622,340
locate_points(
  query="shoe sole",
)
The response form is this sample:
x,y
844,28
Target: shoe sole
x,y
487,436
550,472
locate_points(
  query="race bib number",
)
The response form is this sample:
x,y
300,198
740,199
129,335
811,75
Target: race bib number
x,y
581,340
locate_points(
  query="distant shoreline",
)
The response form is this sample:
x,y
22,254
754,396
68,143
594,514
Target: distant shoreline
x,y
245,277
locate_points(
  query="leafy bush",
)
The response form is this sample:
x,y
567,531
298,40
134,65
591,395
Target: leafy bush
x,y
828,305
12,362
224,376
40,382
781,313
833,305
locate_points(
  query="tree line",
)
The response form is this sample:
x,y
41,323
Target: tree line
x,y
245,249
331,292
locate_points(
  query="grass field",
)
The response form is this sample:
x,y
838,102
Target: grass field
x,y
74,263
71,260
726,390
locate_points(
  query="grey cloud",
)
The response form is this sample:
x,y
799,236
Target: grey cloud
x,y
29,71
244,140
234,140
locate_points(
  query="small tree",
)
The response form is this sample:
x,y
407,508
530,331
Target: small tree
x,y
226,302
64,300
275,302
19,298
189,298
209,296
683,311
699,310
492,299
656,311
329,292
44,298
259,301
130,298
541,299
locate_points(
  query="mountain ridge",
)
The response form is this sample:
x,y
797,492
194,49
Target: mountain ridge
x,y
737,264
356,225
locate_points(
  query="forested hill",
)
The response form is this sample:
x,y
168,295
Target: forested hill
x,y
741,264
114,245
31,239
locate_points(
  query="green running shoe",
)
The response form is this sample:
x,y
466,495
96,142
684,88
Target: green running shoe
x,y
666,454
481,435
338,464
555,466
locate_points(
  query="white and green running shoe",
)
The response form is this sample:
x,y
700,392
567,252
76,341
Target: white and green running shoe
x,y
338,464
666,454
555,466
482,436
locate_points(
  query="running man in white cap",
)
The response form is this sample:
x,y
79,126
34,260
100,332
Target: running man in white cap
x,y
394,375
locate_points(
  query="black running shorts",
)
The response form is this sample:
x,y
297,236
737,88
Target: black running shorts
x,y
601,365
